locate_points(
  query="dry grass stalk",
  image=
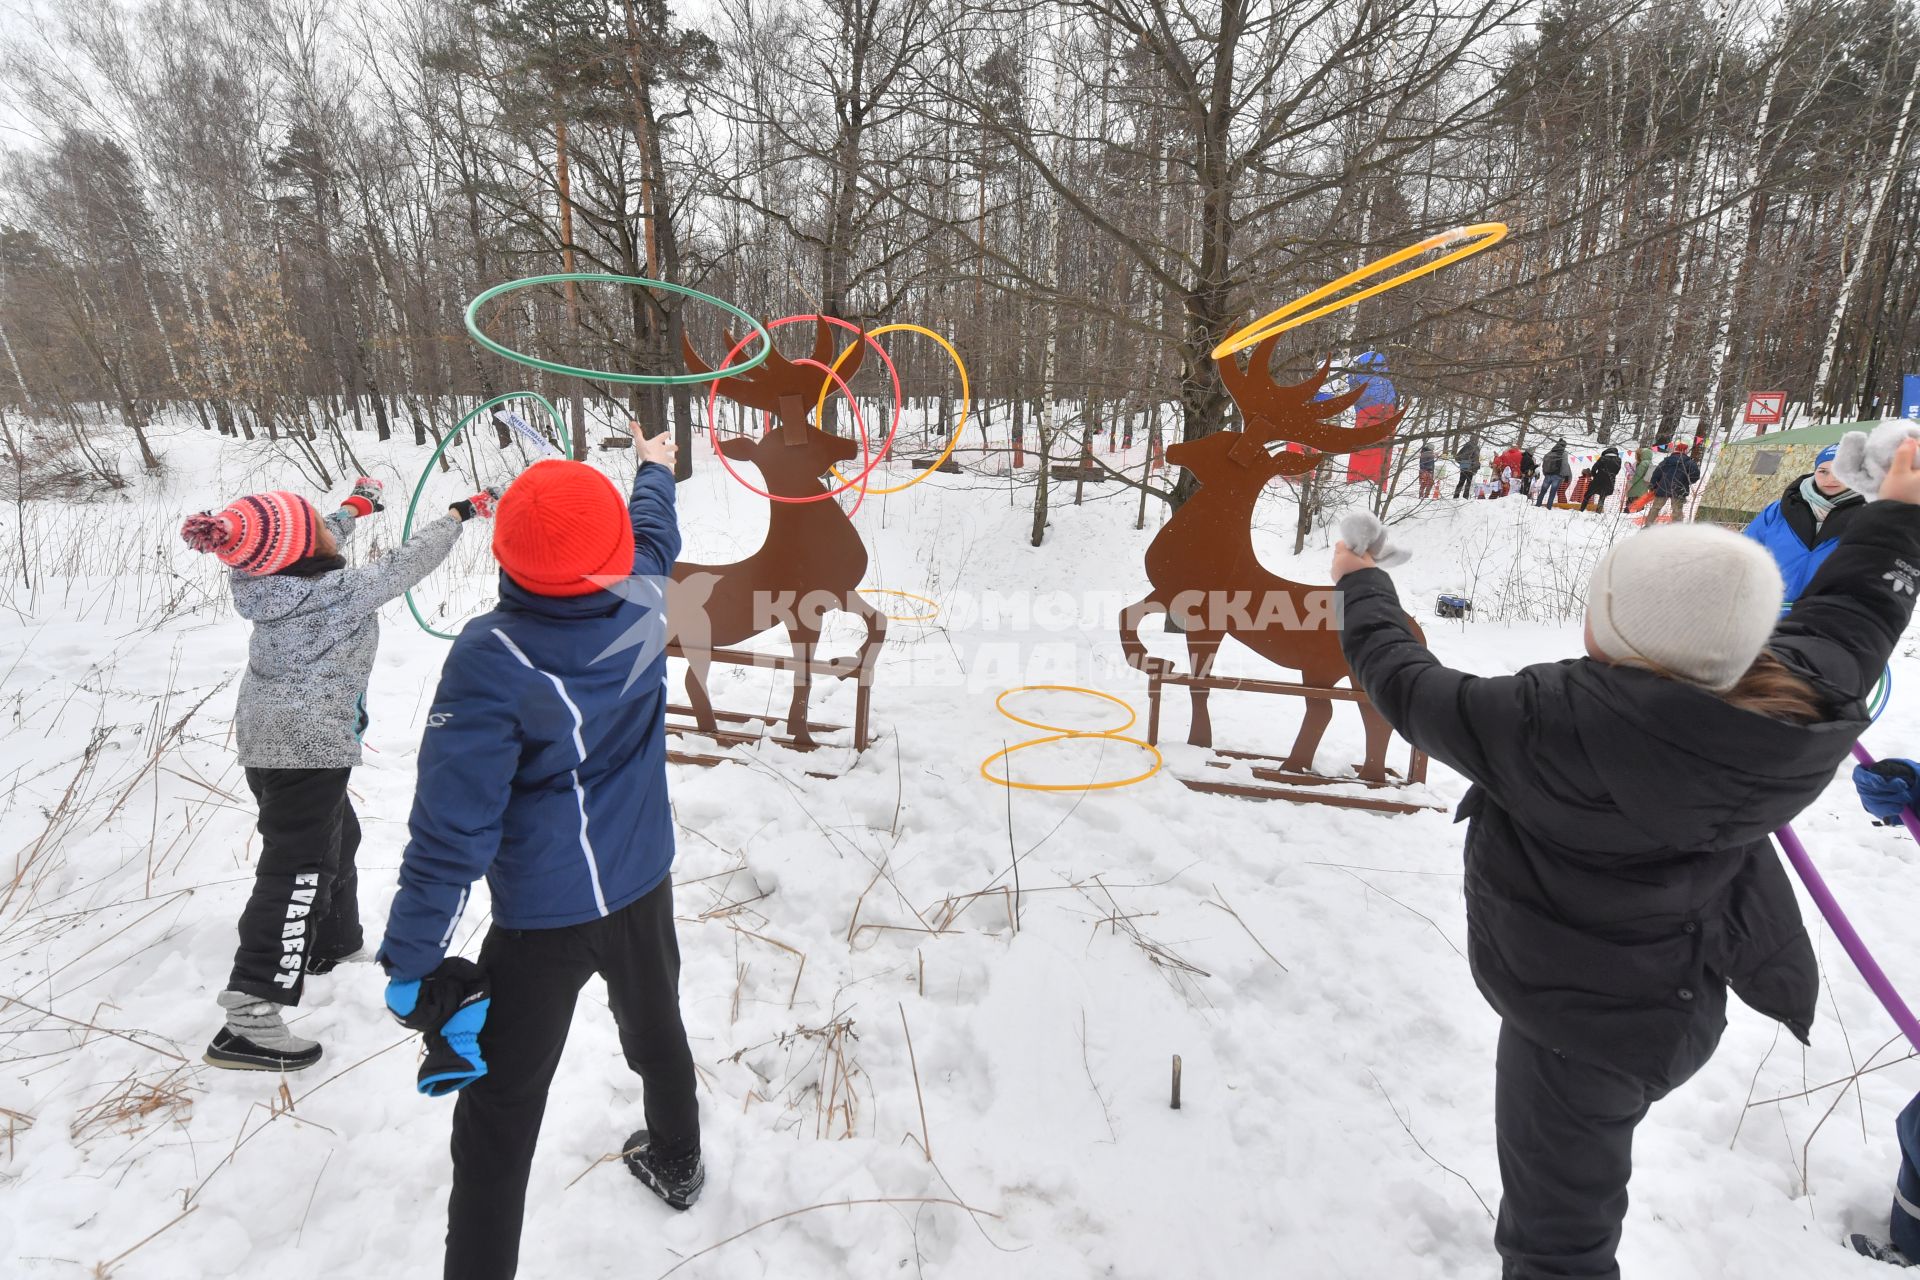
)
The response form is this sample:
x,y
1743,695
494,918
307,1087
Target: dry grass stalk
x,y
726,908
165,743
7,1001
102,1270
793,993
926,1138
133,1102
1177,970
18,1122
836,1097
60,819
1408,1129
1223,906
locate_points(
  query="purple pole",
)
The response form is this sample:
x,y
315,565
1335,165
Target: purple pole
x,y
1843,929
1912,824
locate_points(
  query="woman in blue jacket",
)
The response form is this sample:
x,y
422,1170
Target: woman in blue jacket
x,y
1804,526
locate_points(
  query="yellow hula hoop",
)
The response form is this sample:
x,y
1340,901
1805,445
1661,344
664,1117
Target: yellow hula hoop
x,y
934,605
1060,733
1481,235
1149,748
966,400
1000,705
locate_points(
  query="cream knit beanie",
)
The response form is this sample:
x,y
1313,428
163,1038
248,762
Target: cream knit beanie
x,y
1689,600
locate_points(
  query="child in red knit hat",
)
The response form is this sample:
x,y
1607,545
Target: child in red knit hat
x,y
298,723
544,768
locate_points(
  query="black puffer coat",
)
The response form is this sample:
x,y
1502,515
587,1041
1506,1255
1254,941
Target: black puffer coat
x,y
1606,470
1619,875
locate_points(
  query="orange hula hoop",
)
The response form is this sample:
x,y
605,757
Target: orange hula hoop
x,y
1061,733
1481,235
966,402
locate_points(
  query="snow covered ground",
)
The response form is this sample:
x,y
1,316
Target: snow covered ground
x,y
1304,962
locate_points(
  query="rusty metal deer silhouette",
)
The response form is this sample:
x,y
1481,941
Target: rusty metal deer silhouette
x,y
1206,576
812,558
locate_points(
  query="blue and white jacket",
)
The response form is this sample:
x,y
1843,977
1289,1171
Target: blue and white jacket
x,y
543,765
1797,543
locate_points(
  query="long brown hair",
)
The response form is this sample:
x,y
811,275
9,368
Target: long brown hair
x,y
1770,689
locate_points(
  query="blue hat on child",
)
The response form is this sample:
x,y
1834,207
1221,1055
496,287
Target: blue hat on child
x,y
1827,454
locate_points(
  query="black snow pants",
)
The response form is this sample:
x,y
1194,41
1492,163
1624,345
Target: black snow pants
x,y
1565,1136
305,901
536,975
1463,488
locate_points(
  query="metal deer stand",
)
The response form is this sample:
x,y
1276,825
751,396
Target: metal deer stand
x,y
812,560
1209,582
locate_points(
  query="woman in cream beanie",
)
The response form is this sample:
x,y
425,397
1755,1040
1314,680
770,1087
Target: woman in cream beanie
x,y
1619,877
1690,601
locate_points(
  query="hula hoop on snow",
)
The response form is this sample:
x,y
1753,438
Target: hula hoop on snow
x,y
636,379
932,605
420,485
1000,705
1481,235
1060,733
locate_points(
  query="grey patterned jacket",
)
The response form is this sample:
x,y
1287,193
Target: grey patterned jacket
x,y
301,700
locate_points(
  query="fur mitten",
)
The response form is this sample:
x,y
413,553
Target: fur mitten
x,y
1363,532
1864,457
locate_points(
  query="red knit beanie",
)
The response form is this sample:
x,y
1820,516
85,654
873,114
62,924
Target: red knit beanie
x,y
561,525
260,534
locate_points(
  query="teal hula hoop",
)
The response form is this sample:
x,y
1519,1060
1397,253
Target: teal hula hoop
x,y
639,379
420,486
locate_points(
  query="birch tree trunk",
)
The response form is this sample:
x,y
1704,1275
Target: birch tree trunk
x,y
1896,150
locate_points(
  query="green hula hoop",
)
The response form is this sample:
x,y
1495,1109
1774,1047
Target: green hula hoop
x,y
641,379
420,485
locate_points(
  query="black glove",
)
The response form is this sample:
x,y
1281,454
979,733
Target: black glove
x,y
480,504
448,1008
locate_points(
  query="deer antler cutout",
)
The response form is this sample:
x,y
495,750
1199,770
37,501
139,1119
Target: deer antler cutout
x,y
1287,412
775,384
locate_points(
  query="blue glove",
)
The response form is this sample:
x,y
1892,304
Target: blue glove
x,y
453,1058
449,1008
1887,787
402,997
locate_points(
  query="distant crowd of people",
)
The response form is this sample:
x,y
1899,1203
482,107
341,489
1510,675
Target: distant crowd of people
x,y
1654,487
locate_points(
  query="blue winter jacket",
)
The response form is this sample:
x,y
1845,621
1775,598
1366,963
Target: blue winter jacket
x,y
543,764
1786,529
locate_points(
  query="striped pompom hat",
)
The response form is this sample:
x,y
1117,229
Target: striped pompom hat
x,y
259,534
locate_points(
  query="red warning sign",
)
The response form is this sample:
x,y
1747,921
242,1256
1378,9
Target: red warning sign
x,y
1765,408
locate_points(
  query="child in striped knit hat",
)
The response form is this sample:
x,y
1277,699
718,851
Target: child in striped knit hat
x,y
298,724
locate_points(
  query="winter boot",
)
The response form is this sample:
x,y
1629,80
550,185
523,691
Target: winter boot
x,y
678,1182
1868,1247
256,1038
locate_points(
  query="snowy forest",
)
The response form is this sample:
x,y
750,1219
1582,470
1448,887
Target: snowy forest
x,y
274,211
1338,776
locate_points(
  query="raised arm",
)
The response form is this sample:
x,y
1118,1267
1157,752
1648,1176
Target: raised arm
x,y
1842,629
468,758
341,525
356,506
378,581
1479,725
656,524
